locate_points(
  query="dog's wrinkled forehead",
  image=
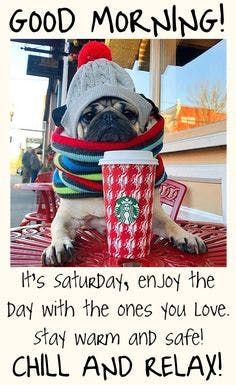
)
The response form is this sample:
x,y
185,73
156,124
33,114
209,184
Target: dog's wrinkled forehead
x,y
110,102
107,101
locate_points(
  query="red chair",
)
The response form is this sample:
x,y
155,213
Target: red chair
x,y
46,200
172,194
44,177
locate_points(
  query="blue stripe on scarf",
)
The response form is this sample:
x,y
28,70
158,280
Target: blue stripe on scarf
x,y
56,178
77,168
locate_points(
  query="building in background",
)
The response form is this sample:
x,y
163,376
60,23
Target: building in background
x,y
189,85
44,60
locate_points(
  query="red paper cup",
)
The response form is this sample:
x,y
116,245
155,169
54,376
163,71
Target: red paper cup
x,y
128,188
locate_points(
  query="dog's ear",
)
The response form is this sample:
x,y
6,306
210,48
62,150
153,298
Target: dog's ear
x,y
155,110
57,114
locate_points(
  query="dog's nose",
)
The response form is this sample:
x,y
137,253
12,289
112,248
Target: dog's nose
x,y
108,117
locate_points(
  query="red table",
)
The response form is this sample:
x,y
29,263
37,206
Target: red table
x,y
28,243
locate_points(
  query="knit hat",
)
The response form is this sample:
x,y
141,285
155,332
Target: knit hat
x,y
97,76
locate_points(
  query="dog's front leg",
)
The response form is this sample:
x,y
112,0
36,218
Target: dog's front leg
x,y
63,230
165,227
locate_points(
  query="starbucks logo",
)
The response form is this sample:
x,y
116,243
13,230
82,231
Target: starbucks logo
x,y
126,210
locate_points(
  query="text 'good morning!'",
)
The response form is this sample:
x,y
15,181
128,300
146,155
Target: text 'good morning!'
x,y
120,21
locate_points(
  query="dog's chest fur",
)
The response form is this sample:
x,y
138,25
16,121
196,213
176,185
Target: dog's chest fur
x,y
82,208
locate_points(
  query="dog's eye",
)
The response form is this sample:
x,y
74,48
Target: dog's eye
x,y
88,117
130,115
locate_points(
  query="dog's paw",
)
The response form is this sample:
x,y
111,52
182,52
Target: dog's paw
x,y
189,243
58,253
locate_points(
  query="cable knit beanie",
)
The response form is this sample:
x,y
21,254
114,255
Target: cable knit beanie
x,y
97,76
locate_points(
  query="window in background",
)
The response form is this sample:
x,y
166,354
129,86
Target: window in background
x,y
192,87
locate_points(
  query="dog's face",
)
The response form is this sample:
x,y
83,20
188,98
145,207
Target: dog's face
x,y
109,119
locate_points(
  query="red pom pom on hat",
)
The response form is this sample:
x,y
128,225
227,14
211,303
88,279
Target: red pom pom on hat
x,y
93,50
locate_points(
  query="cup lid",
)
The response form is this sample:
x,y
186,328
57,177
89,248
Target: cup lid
x,y
128,157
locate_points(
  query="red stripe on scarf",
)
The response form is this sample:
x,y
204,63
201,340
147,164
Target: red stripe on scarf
x,y
85,182
107,146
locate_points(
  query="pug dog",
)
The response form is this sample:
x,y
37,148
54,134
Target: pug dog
x,y
114,120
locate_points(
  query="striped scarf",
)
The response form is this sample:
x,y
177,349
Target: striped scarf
x,y
78,174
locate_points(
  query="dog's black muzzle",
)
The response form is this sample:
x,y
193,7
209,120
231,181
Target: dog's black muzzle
x,y
110,127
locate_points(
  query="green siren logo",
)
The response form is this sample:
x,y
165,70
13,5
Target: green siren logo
x,y
126,210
